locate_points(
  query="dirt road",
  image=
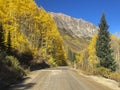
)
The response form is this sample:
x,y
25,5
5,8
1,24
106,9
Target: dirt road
x,y
61,78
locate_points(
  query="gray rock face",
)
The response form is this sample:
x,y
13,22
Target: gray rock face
x,y
74,26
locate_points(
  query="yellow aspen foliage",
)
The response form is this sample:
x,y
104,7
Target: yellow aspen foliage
x,y
92,58
82,59
31,28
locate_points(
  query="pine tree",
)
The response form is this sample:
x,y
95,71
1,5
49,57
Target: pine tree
x,y
9,43
2,43
71,55
103,47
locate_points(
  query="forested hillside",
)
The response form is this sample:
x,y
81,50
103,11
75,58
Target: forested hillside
x,y
31,28
80,42
101,56
30,39
28,36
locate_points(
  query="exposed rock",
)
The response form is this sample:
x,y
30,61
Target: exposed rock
x,y
74,26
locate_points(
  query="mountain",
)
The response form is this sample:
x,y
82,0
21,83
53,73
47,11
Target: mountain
x,y
74,26
76,33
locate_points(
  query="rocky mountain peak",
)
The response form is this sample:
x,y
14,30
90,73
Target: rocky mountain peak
x,y
74,26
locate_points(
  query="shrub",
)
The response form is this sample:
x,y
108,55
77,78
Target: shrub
x,y
14,64
2,56
52,62
115,76
102,71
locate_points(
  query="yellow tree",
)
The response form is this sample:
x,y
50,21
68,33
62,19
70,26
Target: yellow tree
x,y
92,58
31,28
82,59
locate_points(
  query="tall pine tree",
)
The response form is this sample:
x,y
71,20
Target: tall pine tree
x,y
2,37
9,43
103,47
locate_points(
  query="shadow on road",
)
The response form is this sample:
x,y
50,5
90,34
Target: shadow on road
x,y
39,66
22,86
19,84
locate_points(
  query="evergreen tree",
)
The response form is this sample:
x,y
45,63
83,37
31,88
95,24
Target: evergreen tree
x,y
103,47
71,55
2,43
9,43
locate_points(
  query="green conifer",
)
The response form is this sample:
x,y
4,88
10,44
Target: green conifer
x,y
2,37
9,43
103,47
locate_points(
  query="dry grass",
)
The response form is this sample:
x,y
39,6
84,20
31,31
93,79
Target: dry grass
x,y
115,76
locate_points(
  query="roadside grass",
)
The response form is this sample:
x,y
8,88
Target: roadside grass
x,y
10,70
103,72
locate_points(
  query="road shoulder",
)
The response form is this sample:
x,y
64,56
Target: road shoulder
x,y
114,85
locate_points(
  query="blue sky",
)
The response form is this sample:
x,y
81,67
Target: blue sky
x,y
89,10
